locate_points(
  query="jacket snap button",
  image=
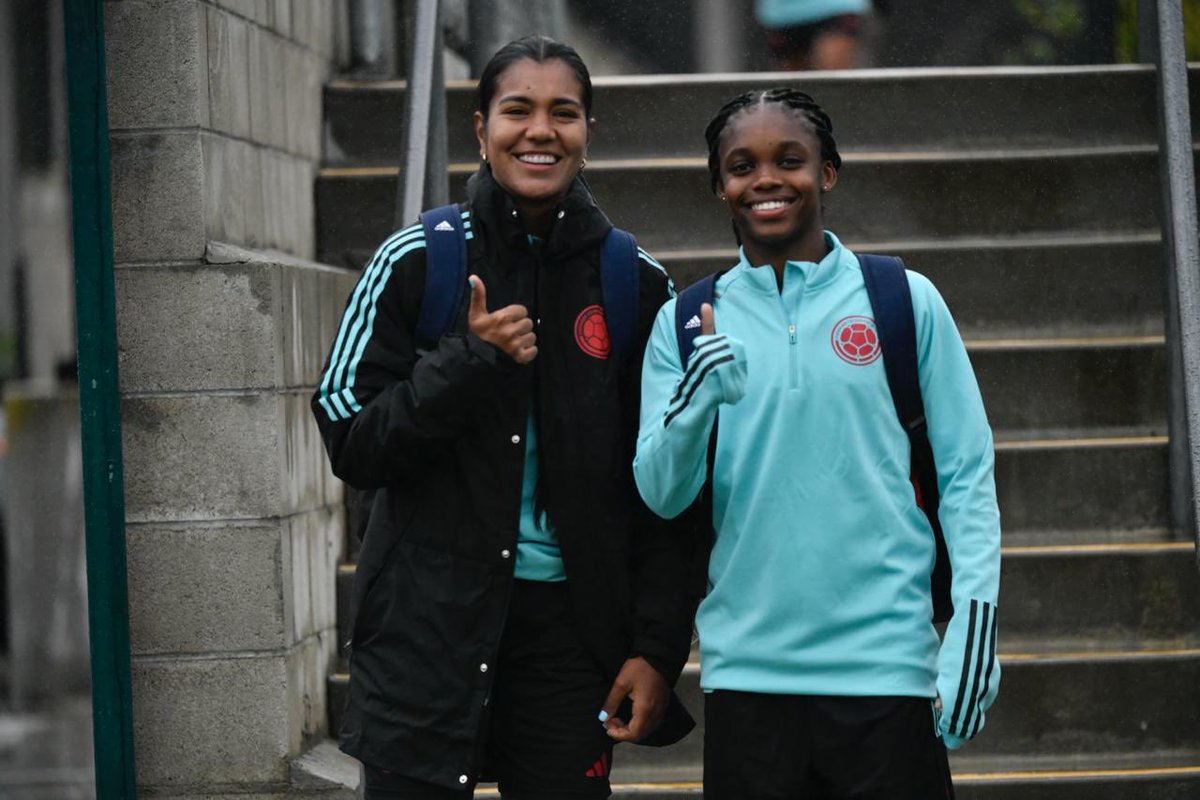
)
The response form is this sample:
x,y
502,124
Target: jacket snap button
x,y
505,554
483,667
516,439
462,778
562,214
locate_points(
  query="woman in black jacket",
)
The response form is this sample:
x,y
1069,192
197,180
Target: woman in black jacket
x,y
512,587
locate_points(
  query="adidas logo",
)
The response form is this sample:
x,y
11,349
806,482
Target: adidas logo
x,y
443,226
600,768
694,322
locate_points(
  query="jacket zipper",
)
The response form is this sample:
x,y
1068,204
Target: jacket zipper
x,y
791,329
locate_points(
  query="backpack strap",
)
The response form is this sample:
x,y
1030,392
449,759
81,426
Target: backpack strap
x,y
445,272
687,314
891,303
619,284
687,328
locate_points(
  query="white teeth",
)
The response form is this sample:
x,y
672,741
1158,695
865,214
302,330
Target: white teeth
x,y
537,158
769,205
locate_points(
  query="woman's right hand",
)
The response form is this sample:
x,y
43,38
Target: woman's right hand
x,y
508,328
727,357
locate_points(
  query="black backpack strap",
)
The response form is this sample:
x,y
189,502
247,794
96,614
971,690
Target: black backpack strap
x,y
891,303
445,273
619,283
687,328
687,314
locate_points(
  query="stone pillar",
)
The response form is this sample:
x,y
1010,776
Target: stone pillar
x,y
234,523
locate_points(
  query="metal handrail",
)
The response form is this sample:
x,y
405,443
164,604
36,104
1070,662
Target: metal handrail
x,y
1181,250
99,401
422,181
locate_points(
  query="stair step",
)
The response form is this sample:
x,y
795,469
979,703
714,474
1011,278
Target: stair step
x,y
1078,513
1138,593
1032,385
989,779
1027,286
665,115
1050,705
1034,286
1155,783
1108,593
1037,286
1179,783
668,206
1114,484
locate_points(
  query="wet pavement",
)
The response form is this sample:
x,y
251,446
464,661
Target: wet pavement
x,y
47,755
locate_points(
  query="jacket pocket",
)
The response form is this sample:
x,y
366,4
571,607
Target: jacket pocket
x,y
364,612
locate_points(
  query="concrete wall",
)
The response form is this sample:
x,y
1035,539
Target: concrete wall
x,y
234,523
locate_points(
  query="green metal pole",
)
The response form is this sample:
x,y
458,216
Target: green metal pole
x,y
99,401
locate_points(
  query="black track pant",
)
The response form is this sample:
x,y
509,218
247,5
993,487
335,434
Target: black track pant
x,y
807,747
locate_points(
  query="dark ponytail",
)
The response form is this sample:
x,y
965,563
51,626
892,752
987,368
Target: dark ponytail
x,y
538,49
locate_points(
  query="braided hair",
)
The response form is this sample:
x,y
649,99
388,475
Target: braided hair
x,y
793,99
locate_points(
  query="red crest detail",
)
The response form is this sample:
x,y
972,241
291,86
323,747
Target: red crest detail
x,y
855,340
591,332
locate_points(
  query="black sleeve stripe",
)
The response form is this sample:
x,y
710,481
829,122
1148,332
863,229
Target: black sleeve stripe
x,y
987,679
984,629
700,379
966,668
701,354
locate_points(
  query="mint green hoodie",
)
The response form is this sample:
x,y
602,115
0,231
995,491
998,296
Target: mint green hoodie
x,y
819,575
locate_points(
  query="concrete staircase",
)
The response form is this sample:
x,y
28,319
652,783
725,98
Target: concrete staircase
x,y
1030,197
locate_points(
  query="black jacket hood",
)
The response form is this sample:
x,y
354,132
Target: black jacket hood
x,y
579,224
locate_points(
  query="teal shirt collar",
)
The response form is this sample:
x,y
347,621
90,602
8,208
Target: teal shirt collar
x,y
809,274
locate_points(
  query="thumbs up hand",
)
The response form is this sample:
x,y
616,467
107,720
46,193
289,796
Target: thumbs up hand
x,y
508,328
727,356
708,321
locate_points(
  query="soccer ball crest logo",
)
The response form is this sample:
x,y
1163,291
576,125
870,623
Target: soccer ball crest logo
x,y
855,340
591,332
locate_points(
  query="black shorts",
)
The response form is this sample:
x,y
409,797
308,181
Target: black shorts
x,y
543,736
768,746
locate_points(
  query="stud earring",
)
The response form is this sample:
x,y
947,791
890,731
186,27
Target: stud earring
x,y
484,157
582,164
722,197
825,188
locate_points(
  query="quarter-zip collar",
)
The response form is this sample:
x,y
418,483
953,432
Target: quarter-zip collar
x,y
811,275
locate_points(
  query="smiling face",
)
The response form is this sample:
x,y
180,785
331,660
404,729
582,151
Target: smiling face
x,y
535,134
772,176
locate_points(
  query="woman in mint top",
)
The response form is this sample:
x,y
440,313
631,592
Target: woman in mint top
x,y
824,675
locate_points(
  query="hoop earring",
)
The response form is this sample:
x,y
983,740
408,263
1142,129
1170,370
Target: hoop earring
x,y
582,164
484,157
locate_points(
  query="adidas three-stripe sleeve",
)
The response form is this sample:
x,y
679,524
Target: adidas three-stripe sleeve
x,y
968,670
678,410
379,403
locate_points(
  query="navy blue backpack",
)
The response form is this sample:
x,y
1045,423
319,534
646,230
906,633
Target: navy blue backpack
x,y
446,279
891,302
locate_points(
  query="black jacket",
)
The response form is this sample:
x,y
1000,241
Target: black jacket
x,y
441,435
